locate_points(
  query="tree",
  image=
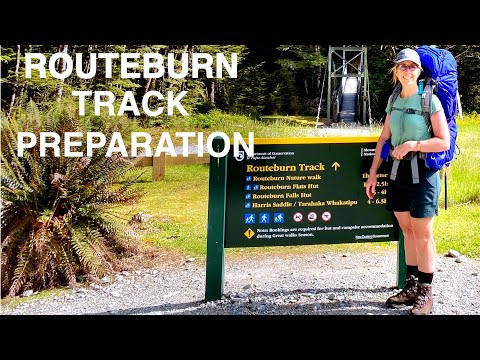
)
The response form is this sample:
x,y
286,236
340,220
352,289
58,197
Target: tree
x,y
301,70
468,60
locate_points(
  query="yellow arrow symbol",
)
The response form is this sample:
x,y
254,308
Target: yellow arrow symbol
x,y
335,165
249,233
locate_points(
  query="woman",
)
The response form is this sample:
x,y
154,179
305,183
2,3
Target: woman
x,y
412,198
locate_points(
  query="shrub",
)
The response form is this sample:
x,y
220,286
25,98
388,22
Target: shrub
x,y
56,212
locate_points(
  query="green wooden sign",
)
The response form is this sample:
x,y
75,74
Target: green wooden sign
x,y
298,191
305,193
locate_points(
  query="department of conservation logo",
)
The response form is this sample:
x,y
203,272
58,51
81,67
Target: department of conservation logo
x,y
241,155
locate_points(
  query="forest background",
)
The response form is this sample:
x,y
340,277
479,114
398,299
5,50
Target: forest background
x,y
272,79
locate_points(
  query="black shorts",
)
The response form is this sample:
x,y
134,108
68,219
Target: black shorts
x,y
420,199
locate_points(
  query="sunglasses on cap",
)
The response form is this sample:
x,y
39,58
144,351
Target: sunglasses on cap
x,y
405,67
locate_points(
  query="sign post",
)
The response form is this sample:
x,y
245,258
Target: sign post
x,y
215,267
295,191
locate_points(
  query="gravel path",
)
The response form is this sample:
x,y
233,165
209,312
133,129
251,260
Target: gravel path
x,y
298,284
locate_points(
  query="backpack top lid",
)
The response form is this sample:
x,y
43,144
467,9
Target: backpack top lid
x,y
441,66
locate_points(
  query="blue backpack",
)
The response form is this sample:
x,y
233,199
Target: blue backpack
x,y
441,78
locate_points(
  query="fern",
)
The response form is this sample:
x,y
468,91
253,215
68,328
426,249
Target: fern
x,y
23,268
55,215
65,261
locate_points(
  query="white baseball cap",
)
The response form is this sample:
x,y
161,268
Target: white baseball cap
x,y
408,55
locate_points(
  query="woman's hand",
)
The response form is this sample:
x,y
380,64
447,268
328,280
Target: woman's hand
x,y
403,149
371,184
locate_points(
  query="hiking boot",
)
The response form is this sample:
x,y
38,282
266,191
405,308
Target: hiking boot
x,y
424,303
406,296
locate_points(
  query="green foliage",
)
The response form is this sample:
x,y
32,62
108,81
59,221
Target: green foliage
x,y
380,60
249,92
279,80
305,57
7,55
468,59
56,218
286,95
301,67
205,121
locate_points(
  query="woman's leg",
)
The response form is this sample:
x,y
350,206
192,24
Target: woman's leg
x,y
408,295
405,222
426,251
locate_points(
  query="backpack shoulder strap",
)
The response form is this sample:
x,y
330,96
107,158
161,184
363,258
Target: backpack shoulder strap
x,y
395,94
429,88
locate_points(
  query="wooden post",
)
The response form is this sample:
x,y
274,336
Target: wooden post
x,y
159,167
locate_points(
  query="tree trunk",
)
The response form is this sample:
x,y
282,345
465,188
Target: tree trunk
x,y
319,78
24,84
150,81
61,68
212,92
17,67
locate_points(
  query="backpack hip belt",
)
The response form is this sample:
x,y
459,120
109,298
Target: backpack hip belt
x,y
411,156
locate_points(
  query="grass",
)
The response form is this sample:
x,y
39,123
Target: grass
x,y
294,120
178,207
464,174
227,123
458,227
179,204
12,302
266,127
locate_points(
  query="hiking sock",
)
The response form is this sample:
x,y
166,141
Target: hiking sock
x,y
425,278
412,270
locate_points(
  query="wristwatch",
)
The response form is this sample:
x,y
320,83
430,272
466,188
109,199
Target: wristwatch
x,y
419,145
